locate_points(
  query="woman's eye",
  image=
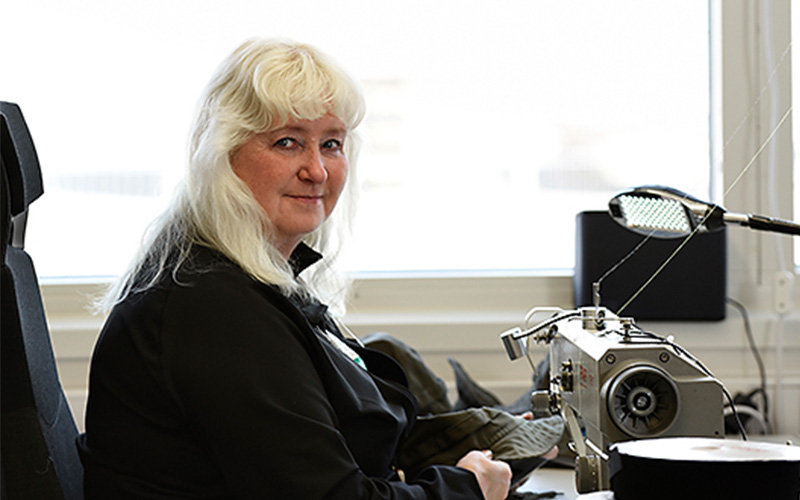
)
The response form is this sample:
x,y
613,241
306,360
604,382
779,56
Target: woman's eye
x,y
285,142
332,144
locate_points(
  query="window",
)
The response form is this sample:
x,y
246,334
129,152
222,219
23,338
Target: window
x,y
491,124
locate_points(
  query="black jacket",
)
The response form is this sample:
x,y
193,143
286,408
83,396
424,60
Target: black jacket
x,y
220,387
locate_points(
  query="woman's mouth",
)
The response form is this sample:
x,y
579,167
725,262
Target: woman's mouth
x,y
306,198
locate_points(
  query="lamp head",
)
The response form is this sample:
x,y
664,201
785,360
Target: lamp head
x,y
663,212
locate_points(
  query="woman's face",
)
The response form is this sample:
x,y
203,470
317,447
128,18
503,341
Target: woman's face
x,y
296,174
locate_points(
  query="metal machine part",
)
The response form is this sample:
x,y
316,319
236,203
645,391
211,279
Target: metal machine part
x,y
613,382
643,401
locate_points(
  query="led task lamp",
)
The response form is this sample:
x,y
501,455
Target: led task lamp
x,y
663,212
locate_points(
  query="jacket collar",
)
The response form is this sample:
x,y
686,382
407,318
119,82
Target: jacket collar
x,y
302,258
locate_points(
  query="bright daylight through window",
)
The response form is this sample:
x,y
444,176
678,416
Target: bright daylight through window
x,y
490,124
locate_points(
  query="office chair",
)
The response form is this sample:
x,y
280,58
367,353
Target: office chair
x,y
37,430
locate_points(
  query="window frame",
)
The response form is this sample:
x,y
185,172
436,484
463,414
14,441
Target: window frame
x,y
748,88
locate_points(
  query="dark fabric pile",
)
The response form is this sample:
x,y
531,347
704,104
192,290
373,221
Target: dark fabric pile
x,y
446,431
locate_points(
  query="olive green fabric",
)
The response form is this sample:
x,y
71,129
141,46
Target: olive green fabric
x,y
444,433
429,389
445,438
470,394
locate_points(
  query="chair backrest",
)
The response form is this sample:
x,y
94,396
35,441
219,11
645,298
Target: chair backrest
x,y
37,430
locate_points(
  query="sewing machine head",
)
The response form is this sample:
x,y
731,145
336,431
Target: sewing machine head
x,y
614,382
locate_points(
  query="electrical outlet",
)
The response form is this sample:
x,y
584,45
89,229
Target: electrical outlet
x,y
782,291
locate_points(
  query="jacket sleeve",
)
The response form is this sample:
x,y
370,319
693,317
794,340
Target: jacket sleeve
x,y
240,370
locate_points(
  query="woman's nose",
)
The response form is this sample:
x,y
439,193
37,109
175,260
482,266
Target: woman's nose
x,y
313,167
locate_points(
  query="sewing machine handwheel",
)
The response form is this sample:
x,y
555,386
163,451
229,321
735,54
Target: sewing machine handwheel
x,y
643,401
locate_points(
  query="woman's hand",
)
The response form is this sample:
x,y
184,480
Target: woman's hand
x,y
494,476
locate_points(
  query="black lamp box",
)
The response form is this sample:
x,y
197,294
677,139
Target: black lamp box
x,y
691,287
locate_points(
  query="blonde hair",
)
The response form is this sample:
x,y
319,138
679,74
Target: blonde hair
x,y
259,87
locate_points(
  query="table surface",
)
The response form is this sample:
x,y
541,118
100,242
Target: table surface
x,y
560,480
552,479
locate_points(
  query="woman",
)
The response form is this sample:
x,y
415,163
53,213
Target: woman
x,y
218,374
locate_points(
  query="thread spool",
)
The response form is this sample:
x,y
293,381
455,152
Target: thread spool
x,y
704,468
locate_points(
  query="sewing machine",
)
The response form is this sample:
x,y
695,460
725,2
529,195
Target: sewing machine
x,y
612,381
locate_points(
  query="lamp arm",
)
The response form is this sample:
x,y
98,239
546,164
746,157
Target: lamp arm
x,y
764,223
